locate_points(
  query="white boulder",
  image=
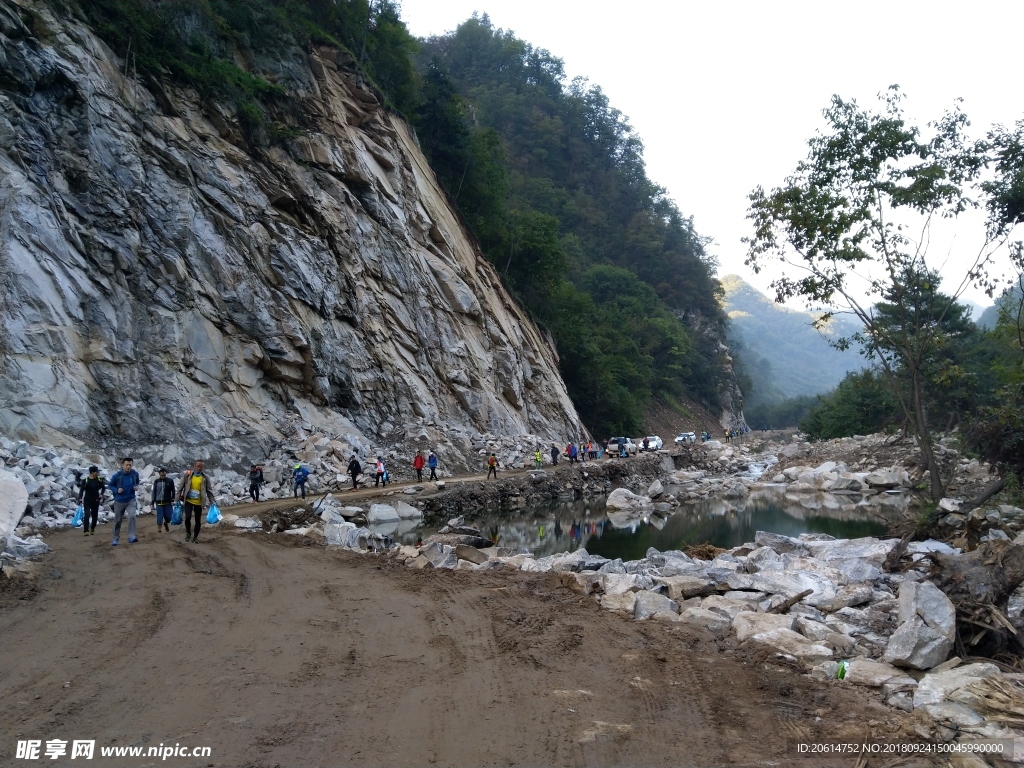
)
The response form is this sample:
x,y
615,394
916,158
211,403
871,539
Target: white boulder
x,y
925,635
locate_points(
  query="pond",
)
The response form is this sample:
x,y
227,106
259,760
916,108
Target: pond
x,y
565,526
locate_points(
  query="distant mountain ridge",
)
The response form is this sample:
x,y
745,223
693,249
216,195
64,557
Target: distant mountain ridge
x,y
779,348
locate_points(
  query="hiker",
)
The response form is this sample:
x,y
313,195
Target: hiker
x,y
538,459
570,452
122,484
381,473
90,494
647,444
582,453
195,494
299,476
492,466
354,469
554,454
417,464
163,501
432,465
255,481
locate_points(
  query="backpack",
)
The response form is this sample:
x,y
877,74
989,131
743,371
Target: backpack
x,y
492,461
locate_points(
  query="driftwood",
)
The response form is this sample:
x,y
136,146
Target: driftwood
x,y
892,561
787,604
990,490
979,584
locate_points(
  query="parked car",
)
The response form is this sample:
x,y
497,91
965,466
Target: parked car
x,y
654,443
615,443
686,437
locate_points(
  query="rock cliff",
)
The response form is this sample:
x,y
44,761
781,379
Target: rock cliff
x,y
165,284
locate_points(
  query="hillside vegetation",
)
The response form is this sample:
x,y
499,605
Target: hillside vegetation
x,y
548,176
780,350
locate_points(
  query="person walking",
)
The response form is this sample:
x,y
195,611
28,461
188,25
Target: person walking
x,y
90,494
195,494
299,477
554,454
538,459
381,473
355,469
432,465
255,482
492,466
163,501
583,453
417,464
123,484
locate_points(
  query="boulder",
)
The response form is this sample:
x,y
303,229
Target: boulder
x,y
811,629
787,584
407,511
620,583
714,622
781,544
682,587
936,687
249,523
382,513
440,555
727,607
889,477
789,642
747,624
623,602
927,627
847,482
763,558
344,534
472,554
656,489
13,501
875,674
625,500
649,603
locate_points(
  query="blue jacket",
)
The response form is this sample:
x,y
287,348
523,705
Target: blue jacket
x,y
432,461
127,481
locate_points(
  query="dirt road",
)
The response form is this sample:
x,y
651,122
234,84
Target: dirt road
x,y
275,653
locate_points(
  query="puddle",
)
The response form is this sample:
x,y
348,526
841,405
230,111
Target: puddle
x,y
565,526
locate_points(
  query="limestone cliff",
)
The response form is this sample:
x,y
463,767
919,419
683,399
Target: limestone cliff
x,y
165,284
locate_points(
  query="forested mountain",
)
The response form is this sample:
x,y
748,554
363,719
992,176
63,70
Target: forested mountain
x,y
551,178
780,351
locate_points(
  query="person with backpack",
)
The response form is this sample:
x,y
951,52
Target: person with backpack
x,y
299,477
355,469
123,484
432,465
492,466
381,473
195,494
163,501
417,464
90,494
255,482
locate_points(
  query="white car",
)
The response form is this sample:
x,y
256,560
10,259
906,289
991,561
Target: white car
x,y
686,437
654,443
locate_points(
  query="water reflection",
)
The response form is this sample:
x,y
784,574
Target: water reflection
x,y
565,526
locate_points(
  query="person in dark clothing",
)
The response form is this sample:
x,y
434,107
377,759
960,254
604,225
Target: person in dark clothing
x,y
432,465
255,481
90,494
554,454
163,501
354,469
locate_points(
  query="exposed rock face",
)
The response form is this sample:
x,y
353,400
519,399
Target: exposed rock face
x,y
166,284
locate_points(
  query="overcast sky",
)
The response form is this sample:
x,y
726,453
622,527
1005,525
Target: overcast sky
x,y
725,95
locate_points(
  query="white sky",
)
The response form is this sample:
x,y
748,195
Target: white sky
x,y
726,94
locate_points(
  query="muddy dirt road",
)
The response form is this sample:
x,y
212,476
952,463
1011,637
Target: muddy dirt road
x,y
273,653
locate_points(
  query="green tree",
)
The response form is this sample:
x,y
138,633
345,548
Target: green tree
x,y
841,227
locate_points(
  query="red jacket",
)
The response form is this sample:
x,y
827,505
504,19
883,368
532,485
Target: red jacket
x,y
418,462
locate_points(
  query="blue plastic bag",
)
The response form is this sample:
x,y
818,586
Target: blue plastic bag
x,y
176,514
213,516
76,521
